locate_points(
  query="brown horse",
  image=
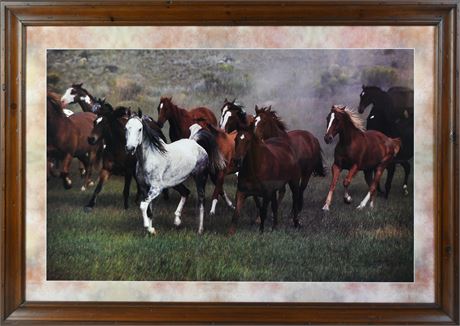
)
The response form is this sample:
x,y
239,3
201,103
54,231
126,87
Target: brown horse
x,y
357,150
234,117
67,138
180,119
306,146
226,144
264,168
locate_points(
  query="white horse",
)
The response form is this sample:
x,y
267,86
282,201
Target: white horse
x,y
161,165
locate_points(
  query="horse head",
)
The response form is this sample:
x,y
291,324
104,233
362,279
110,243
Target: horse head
x,y
233,116
164,110
75,94
134,131
367,97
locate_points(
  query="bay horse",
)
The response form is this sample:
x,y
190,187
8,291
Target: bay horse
x,y
161,165
305,146
265,167
77,94
392,115
67,138
226,144
357,150
180,119
234,117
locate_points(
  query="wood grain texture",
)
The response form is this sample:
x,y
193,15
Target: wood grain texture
x,y
15,16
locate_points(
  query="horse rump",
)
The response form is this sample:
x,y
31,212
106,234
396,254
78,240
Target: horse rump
x,y
207,140
319,170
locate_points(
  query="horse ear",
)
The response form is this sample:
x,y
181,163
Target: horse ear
x,y
257,109
233,102
363,86
103,100
170,98
225,101
270,108
139,113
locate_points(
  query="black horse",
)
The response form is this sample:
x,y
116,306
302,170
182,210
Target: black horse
x,y
109,126
392,114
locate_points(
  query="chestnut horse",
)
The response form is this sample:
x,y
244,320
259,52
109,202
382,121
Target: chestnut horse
x,y
264,168
234,117
357,150
226,144
306,146
180,119
67,138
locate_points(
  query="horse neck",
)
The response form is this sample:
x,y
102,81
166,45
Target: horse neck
x,y
115,139
55,119
348,134
147,149
274,131
254,157
180,121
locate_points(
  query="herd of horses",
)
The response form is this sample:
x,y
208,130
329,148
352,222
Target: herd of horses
x,y
258,147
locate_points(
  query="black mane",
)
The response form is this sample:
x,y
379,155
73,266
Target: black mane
x,y
153,136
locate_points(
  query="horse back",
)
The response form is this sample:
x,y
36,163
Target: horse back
x,y
203,113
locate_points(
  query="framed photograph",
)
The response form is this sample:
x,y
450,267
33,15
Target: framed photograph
x,y
229,162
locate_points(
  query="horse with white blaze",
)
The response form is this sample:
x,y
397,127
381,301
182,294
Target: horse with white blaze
x,y
161,165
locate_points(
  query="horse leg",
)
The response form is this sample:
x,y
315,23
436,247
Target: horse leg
x,y
152,194
274,204
406,166
258,206
65,171
346,183
263,213
281,194
368,174
81,167
335,177
390,173
227,199
239,199
303,186
184,192
218,181
103,177
200,181
128,178
295,189
372,189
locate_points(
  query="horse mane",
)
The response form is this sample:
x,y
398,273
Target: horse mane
x,y
55,102
373,88
121,111
276,118
153,136
353,117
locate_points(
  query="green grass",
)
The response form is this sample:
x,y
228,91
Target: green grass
x,y
110,243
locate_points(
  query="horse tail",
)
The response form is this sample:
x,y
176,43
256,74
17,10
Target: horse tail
x,y
319,169
397,145
207,140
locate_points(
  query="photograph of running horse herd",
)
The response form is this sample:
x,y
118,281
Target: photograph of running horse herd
x,y
230,165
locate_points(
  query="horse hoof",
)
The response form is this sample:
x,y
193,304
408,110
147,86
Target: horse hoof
x,y
258,220
91,184
360,207
200,232
326,208
88,209
67,186
82,188
152,231
347,200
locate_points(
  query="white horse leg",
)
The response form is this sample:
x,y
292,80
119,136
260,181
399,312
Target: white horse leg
x,y
178,213
213,206
364,201
152,194
228,201
201,227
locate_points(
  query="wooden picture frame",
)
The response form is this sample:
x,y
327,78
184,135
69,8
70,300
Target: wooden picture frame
x,y
16,16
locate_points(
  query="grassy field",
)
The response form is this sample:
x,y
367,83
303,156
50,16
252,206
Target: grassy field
x,y
111,243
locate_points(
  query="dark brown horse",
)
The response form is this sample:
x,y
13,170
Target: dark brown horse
x,y
357,150
180,119
305,146
77,94
264,168
234,117
226,144
67,138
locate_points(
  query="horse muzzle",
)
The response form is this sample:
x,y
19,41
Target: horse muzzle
x,y
328,138
361,109
130,150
